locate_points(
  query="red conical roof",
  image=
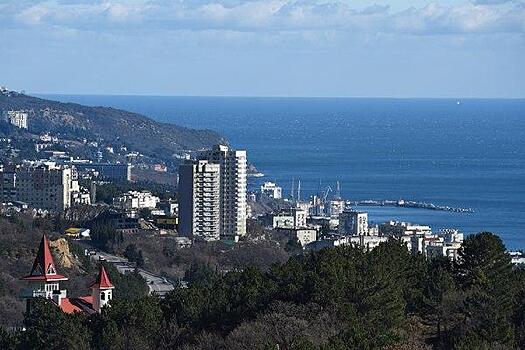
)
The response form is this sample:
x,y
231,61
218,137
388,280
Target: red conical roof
x,y
44,267
102,280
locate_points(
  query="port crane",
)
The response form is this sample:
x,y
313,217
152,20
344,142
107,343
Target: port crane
x,y
325,196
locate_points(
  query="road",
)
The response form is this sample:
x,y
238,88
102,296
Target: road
x,y
156,284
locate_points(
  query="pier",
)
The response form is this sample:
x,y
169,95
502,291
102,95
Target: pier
x,y
408,204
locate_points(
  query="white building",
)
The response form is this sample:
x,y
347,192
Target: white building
x,y
303,235
232,165
81,197
335,207
270,189
517,257
17,118
445,243
43,185
290,218
169,207
367,242
401,228
283,221
136,200
199,200
316,207
353,223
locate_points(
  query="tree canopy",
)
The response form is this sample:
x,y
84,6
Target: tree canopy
x,y
337,298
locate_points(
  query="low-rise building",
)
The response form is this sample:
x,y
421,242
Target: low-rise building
x,y
290,218
353,223
303,235
17,118
81,197
105,171
401,228
367,242
170,207
270,189
444,243
78,233
136,200
335,207
517,257
44,282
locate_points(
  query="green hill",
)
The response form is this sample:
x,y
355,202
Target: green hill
x,y
109,125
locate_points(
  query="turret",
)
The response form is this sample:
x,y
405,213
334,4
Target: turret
x,y
101,290
44,281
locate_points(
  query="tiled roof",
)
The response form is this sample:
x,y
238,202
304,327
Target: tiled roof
x,y
82,305
102,280
44,268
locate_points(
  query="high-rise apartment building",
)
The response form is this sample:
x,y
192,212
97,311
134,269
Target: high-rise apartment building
x,y
220,171
199,200
233,189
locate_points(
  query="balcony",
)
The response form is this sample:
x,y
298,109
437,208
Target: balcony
x,y
29,293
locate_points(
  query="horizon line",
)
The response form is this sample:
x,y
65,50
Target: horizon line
x,y
275,96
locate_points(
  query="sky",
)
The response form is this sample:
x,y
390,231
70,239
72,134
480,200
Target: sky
x,y
399,48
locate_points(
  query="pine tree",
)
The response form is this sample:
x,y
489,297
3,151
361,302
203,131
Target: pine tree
x,y
442,299
485,274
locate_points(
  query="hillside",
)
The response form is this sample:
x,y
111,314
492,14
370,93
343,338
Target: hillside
x,y
110,125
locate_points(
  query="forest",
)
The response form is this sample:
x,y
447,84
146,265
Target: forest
x,y
337,298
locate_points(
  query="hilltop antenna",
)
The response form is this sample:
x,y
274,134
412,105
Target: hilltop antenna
x,y
338,190
299,190
293,189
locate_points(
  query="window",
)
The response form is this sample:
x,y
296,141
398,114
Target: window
x,y
102,296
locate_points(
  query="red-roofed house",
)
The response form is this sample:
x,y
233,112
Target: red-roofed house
x,y
44,281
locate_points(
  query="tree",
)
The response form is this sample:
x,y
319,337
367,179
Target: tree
x,y
8,340
519,309
129,324
127,286
47,327
485,273
441,298
285,326
293,246
199,273
134,255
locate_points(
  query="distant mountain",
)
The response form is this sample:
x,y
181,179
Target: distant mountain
x,y
113,126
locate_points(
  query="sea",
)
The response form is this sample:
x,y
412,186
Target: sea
x,y
467,153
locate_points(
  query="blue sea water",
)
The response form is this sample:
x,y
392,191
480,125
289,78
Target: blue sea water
x,y
470,154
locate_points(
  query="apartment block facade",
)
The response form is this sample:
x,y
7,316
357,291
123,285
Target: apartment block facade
x,y
353,223
232,189
45,186
199,200
212,195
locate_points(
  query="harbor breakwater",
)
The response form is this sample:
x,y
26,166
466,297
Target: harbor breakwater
x,y
408,204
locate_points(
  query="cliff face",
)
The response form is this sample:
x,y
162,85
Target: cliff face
x,y
137,132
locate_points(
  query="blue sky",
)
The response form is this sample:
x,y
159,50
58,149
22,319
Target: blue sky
x,y
265,47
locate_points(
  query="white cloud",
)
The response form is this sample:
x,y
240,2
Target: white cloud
x,y
481,16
